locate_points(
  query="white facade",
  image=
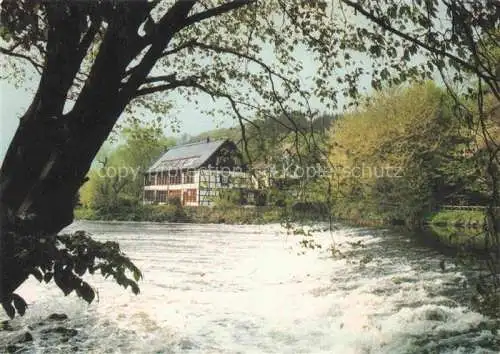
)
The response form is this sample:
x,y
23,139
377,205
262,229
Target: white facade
x,y
203,189
186,172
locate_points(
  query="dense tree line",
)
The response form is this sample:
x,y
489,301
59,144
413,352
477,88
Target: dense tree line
x,y
117,179
403,154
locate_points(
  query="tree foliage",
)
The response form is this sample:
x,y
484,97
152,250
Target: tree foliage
x,y
117,179
402,154
65,259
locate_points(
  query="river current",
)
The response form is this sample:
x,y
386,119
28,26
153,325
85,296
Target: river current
x,y
254,289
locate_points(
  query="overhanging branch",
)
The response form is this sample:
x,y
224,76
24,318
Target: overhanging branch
x,y
38,67
168,78
386,26
226,50
216,11
171,83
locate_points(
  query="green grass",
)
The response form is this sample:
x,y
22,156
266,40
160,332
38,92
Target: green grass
x,y
172,213
459,218
459,228
233,215
459,237
82,213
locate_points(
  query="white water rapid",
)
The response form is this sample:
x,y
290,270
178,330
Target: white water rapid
x,y
247,289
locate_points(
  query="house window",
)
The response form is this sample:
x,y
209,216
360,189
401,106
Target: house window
x,y
190,196
224,179
149,196
175,177
189,177
150,180
161,196
174,194
162,178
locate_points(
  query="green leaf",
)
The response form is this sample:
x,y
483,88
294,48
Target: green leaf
x,y
19,304
48,276
86,292
37,274
9,309
135,288
137,274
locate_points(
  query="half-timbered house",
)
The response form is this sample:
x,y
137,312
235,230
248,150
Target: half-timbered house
x,y
196,173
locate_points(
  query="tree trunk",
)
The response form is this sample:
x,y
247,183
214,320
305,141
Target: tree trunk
x,y
47,162
51,152
44,168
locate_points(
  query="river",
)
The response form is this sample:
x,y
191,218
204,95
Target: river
x,y
253,289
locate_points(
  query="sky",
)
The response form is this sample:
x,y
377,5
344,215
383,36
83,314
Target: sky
x,y
193,121
14,101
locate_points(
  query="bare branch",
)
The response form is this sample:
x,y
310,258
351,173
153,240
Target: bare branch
x,y
226,50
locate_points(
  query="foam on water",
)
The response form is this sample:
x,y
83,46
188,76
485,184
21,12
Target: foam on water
x,y
247,289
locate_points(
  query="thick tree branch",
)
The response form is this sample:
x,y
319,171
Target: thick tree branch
x,y
158,88
177,49
216,11
88,38
170,24
168,78
116,39
161,35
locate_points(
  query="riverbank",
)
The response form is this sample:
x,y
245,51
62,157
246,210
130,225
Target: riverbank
x,y
464,229
196,215
450,228
454,230
457,218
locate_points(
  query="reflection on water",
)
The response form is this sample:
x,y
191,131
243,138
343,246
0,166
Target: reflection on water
x,y
246,289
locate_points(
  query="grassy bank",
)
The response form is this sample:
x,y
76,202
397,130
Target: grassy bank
x,y
359,216
457,218
459,238
462,229
172,213
455,229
